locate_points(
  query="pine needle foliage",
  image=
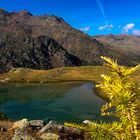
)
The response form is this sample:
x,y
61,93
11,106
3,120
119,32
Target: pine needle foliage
x,y
123,96
123,103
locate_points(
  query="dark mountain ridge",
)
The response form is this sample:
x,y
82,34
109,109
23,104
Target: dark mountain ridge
x,y
44,42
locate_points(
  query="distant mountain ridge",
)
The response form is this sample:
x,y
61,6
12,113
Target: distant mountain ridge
x,y
44,42
129,44
122,41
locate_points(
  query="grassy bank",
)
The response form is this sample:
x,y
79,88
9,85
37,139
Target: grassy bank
x,y
63,74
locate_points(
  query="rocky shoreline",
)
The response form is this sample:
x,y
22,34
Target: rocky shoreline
x,y
38,130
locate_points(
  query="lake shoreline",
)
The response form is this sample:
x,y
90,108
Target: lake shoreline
x,y
63,74
51,99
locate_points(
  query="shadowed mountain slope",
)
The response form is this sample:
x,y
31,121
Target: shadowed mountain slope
x,y
44,42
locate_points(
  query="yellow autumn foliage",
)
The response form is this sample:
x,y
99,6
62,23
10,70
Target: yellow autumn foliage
x,y
123,97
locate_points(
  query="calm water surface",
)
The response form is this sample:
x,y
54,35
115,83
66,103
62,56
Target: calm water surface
x,y
57,101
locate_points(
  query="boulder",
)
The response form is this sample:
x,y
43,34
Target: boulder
x,y
36,123
64,132
49,136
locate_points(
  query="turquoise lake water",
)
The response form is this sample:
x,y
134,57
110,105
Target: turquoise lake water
x,y
57,101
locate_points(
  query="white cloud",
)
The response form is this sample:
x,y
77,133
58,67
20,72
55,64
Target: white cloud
x,y
104,27
128,27
85,29
136,32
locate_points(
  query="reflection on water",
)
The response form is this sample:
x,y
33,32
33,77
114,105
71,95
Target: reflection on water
x,y
61,102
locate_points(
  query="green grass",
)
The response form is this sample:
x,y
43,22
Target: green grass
x,y
63,74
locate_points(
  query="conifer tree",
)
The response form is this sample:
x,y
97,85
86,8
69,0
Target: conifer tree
x,y
123,103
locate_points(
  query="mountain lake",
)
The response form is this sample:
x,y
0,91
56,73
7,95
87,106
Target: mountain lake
x,y
70,101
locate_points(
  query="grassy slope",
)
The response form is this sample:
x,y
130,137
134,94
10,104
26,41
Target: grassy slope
x,y
63,74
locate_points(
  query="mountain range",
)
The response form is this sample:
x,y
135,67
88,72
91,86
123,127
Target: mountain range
x,y
47,41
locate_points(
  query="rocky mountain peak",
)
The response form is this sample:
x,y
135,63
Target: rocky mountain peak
x,y
25,13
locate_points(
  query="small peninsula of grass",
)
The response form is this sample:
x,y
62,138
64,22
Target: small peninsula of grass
x,y
63,74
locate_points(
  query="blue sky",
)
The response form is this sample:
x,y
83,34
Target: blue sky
x,y
91,16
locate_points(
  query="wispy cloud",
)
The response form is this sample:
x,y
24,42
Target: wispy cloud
x,y
106,27
136,32
128,27
85,29
100,4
